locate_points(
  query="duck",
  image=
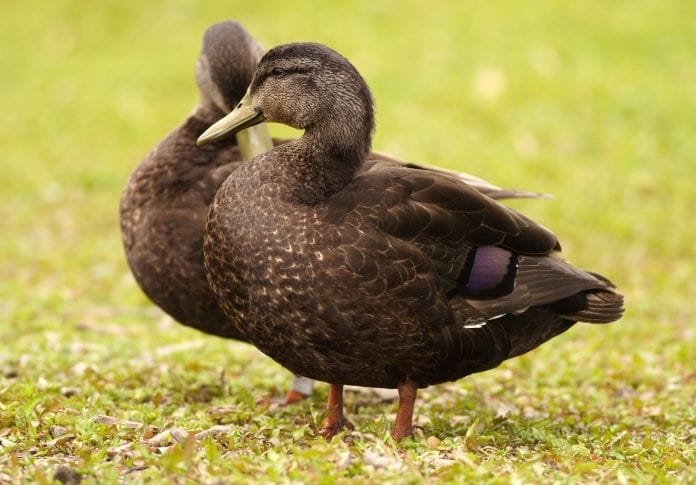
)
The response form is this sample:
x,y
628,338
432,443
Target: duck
x,y
165,203
359,272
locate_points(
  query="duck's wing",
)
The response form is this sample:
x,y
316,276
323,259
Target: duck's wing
x,y
487,259
431,209
485,187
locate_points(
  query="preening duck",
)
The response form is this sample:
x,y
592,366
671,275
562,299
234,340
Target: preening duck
x,y
358,272
165,202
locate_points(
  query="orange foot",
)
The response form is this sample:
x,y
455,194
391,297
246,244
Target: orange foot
x,y
331,427
293,397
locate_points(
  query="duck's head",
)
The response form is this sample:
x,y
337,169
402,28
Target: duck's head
x,y
306,86
226,64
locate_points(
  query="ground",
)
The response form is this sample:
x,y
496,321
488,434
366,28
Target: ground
x,y
593,102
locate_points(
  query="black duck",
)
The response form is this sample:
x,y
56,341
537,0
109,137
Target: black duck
x,y
373,274
165,203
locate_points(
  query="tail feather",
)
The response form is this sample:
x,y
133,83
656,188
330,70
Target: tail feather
x,y
599,307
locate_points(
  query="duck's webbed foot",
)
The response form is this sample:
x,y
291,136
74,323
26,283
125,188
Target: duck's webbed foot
x,y
330,428
403,424
335,420
292,397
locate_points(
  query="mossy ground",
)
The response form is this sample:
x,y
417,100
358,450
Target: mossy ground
x,y
594,102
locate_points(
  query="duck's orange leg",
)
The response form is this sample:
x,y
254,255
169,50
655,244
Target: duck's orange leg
x,y
403,424
335,420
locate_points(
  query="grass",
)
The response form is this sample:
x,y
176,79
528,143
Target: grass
x,y
592,101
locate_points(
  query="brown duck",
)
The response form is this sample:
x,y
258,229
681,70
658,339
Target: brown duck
x,y
371,274
165,203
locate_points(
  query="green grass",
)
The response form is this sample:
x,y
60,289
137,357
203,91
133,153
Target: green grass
x,y
594,102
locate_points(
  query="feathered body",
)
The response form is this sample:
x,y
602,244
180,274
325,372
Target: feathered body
x,y
165,202
386,279
371,274
163,213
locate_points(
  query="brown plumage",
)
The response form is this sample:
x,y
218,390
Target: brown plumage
x,y
165,203
375,275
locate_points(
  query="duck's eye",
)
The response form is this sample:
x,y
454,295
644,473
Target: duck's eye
x,y
277,71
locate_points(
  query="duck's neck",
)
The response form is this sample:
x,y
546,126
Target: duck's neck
x,y
325,159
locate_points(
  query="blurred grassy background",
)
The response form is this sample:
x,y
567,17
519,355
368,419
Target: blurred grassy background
x,y
594,102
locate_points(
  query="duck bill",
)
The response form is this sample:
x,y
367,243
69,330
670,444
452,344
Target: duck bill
x,y
243,116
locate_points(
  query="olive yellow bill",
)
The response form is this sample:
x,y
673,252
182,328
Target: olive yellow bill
x,y
242,116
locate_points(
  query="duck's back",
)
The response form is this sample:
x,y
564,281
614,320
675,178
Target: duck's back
x,y
162,214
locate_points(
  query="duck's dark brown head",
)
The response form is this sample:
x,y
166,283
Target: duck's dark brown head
x,y
226,64
304,84
307,86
